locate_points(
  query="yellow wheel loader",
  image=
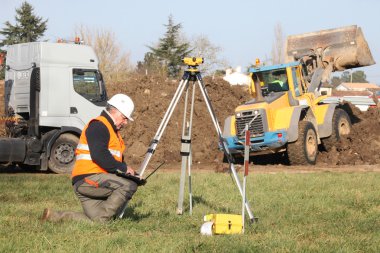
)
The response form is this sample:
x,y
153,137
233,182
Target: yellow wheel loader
x,y
287,112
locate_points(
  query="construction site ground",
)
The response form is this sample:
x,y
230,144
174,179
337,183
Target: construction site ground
x,y
152,95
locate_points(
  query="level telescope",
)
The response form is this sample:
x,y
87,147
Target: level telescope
x,y
193,61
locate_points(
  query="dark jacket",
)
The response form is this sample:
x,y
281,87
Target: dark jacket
x,y
98,138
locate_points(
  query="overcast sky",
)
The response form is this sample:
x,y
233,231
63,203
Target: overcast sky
x,y
244,29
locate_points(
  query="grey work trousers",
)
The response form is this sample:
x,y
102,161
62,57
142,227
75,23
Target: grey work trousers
x,y
104,195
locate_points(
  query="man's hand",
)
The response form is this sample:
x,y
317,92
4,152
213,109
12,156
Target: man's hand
x,y
131,175
131,171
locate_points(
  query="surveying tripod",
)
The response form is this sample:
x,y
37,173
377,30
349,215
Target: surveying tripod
x,y
191,74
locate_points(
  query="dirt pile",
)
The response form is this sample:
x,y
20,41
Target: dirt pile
x,y
152,97
362,146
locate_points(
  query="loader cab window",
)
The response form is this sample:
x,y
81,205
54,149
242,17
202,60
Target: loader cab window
x,y
296,82
306,78
273,81
90,85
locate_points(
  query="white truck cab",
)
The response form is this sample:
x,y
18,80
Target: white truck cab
x,y
51,91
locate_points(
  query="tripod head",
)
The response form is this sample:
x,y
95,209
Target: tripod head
x,y
192,64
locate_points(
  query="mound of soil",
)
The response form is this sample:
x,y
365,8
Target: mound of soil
x,y
152,97
362,146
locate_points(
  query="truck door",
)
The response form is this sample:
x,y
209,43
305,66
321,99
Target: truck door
x,y
89,96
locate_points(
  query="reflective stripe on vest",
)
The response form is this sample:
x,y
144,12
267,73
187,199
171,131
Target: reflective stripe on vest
x,y
87,148
84,157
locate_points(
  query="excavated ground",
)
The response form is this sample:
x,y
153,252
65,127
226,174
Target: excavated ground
x,y
152,96
362,146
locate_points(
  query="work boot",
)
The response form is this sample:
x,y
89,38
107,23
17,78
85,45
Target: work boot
x,y
50,215
46,214
54,216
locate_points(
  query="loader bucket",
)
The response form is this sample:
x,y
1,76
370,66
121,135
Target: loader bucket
x,y
345,47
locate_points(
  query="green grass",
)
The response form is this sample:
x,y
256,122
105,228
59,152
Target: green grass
x,y
313,212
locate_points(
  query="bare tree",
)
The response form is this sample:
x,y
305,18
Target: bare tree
x,y
114,64
278,54
204,48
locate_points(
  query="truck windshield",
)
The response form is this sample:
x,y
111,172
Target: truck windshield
x,y
272,81
89,84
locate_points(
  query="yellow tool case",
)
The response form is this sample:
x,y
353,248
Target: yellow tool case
x,y
225,223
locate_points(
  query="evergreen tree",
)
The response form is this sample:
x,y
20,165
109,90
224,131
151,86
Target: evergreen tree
x,y
28,27
170,49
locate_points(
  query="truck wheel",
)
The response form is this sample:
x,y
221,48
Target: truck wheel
x,y
341,125
62,154
305,149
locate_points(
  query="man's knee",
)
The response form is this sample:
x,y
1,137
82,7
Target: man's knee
x,y
129,188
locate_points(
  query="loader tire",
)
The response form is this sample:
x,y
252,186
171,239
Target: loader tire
x,y
341,125
62,154
305,149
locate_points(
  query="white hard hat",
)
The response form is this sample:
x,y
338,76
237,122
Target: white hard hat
x,y
124,104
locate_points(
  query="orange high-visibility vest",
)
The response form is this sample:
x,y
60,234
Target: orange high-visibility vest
x,y
84,163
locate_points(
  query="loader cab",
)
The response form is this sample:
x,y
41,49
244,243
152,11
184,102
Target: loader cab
x,y
271,82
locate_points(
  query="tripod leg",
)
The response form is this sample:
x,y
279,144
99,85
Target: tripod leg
x,y
190,158
186,150
185,155
163,124
182,185
221,140
190,192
